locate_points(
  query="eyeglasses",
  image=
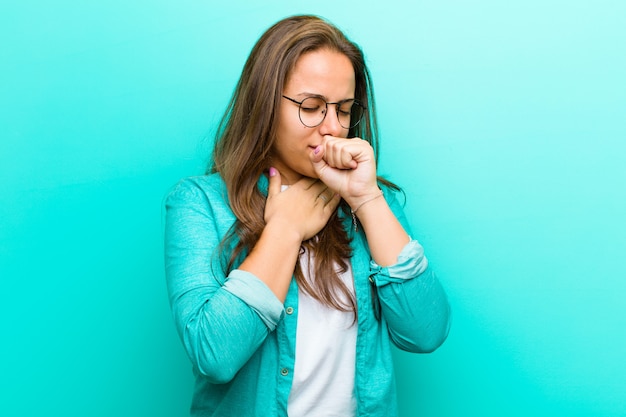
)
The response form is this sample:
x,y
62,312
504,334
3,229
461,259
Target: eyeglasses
x,y
312,111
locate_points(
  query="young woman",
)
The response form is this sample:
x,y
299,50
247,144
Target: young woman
x,y
290,267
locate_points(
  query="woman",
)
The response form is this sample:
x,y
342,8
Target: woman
x,y
289,265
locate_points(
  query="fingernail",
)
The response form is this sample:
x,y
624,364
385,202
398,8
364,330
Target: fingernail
x,y
317,149
272,171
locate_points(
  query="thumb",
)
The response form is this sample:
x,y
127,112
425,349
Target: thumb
x,y
274,182
317,160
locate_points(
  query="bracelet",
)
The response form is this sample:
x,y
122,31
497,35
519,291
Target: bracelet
x,y
366,201
361,205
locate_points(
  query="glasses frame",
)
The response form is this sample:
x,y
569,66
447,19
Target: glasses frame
x,y
337,105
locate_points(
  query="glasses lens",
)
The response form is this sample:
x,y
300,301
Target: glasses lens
x,y
312,111
350,113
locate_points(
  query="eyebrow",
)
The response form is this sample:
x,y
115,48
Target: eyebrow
x,y
307,94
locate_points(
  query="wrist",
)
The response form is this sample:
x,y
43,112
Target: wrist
x,y
283,231
356,205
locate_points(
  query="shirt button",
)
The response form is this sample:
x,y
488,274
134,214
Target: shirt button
x,y
289,310
284,372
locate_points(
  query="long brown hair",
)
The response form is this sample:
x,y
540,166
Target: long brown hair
x,y
246,136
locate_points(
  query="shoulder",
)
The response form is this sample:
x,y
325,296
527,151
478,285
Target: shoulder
x,y
204,193
208,187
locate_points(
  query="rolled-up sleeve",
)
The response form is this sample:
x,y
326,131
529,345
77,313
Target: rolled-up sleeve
x,y
411,263
252,291
412,300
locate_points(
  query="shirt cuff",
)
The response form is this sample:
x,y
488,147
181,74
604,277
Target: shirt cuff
x,y
252,291
411,263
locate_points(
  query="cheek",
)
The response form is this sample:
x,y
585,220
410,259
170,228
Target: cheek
x,y
292,137
294,134
288,126
289,141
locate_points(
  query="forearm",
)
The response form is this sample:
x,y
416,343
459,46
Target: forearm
x,y
385,235
223,334
274,257
221,325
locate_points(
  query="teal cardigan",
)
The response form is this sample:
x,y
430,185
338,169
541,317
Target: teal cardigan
x,y
241,339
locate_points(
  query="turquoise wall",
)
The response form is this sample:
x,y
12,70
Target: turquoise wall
x,y
503,121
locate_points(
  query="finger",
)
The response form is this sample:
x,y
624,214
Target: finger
x,y
317,154
333,202
345,153
330,152
347,159
310,183
275,182
321,192
319,164
339,152
325,195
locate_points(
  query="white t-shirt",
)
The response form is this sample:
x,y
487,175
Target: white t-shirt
x,y
323,380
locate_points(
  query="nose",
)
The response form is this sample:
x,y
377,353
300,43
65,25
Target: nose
x,y
331,125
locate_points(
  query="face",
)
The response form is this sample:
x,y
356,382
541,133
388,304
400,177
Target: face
x,y
321,73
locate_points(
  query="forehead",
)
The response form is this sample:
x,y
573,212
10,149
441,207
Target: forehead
x,y
324,72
